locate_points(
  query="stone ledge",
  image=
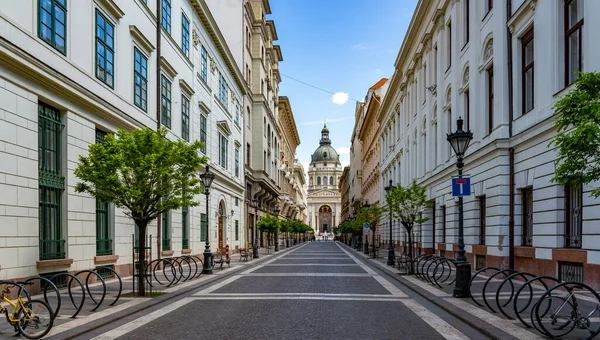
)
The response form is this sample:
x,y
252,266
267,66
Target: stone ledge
x,y
527,252
53,263
569,255
186,251
167,253
478,249
106,258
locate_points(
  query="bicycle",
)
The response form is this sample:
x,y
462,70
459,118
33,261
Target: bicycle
x,y
557,316
32,318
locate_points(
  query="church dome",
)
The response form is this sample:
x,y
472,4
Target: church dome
x,y
325,152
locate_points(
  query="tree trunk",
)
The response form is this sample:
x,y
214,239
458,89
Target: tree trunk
x,y
142,260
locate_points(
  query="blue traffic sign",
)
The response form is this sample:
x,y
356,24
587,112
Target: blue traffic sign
x,y
461,186
366,225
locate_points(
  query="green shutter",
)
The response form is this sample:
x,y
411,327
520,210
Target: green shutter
x,y
237,230
203,227
105,54
103,238
52,23
166,231
185,225
51,182
165,106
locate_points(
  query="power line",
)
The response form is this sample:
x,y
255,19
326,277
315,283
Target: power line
x,y
315,87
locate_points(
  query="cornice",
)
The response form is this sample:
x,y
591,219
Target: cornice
x,y
113,8
167,67
186,87
141,39
523,13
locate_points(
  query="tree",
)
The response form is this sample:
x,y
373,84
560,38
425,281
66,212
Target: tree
x,y
285,226
578,139
371,216
144,172
408,204
268,224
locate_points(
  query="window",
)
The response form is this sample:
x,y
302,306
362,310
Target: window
x,y
573,218
140,81
203,227
103,239
573,39
222,90
165,102
248,117
52,26
432,204
237,202
237,161
166,15
185,35
490,99
203,133
51,182
570,272
318,180
449,56
185,118
237,114
166,231
204,66
223,151
248,163
527,216
331,180
324,180
527,80
105,55
467,109
482,217
488,6
449,147
443,223
237,230
466,2
185,228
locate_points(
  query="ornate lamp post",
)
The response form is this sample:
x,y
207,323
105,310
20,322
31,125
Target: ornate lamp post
x,y
366,244
391,255
207,178
459,140
255,232
276,212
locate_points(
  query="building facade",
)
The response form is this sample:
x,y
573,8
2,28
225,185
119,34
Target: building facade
x,y
355,174
324,198
288,198
300,192
476,60
344,187
50,86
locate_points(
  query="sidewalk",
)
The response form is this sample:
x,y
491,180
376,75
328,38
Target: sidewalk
x,y
492,325
67,327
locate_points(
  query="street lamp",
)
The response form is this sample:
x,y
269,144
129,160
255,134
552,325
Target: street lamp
x,y
366,244
255,232
391,255
276,212
207,178
459,140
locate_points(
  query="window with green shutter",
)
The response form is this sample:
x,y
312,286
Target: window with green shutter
x,y
52,25
203,227
203,133
140,80
105,54
185,118
165,101
166,231
166,15
51,182
237,161
204,64
103,237
185,35
185,228
237,230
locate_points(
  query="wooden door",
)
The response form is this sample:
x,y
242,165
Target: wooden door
x,y
220,232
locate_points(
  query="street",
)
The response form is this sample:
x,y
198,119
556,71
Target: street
x,y
318,290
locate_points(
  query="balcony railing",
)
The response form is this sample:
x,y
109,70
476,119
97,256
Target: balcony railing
x,y
52,249
166,244
185,243
104,247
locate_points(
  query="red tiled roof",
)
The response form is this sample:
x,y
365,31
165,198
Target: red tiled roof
x,y
378,84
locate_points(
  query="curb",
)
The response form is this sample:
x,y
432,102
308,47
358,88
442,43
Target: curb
x,y
426,296
163,298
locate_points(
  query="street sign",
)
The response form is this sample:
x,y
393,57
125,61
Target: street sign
x,y
461,186
366,226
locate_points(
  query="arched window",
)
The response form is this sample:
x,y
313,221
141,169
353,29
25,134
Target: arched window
x,y
318,180
324,180
331,180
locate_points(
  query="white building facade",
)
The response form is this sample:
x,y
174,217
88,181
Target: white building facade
x,y
500,66
72,71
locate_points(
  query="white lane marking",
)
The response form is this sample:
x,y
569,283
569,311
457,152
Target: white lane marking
x,y
505,325
299,294
142,320
439,325
311,264
330,298
389,286
311,274
425,285
80,322
312,258
219,285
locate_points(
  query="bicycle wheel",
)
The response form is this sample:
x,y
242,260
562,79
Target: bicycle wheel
x,y
35,319
555,315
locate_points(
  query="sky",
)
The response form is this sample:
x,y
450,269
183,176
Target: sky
x,y
342,47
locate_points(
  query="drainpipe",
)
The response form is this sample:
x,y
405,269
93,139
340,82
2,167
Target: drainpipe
x,y
511,151
158,74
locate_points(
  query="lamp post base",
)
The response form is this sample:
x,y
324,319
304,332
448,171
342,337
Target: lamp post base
x,y
463,277
255,251
366,248
207,265
391,256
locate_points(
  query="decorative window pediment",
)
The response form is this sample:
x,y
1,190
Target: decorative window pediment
x,y
141,39
170,70
114,10
224,127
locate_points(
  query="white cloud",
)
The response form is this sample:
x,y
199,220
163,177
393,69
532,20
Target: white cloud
x,y
318,122
359,46
343,151
339,98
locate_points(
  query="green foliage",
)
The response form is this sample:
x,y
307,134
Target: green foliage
x,y
408,203
335,230
370,215
268,223
285,226
578,127
142,171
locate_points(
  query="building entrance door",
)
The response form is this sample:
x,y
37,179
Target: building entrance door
x,y
325,219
